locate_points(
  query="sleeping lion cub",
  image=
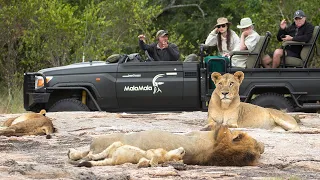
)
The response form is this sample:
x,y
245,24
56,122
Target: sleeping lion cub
x,y
118,153
217,147
225,107
28,124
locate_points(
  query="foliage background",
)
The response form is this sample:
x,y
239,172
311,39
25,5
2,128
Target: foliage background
x,y
38,34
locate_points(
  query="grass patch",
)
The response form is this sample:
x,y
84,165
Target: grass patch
x,y
11,102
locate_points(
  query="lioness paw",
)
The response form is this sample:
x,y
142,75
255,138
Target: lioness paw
x,y
71,151
143,162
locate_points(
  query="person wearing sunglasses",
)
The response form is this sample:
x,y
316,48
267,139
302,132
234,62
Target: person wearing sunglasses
x,y
300,30
223,37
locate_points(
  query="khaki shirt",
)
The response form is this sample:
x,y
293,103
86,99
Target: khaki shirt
x,y
250,41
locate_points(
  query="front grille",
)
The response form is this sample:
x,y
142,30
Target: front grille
x,y
191,74
29,83
28,87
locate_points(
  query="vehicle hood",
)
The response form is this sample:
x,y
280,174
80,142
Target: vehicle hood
x,y
81,68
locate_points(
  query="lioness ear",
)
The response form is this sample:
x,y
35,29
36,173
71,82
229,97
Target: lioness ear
x,y
215,76
239,75
43,112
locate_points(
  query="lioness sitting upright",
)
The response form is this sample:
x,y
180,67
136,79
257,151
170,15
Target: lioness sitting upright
x,y
118,153
217,147
28,124
225,107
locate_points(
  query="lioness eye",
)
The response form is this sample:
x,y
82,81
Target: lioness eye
x,y
231,84
220,83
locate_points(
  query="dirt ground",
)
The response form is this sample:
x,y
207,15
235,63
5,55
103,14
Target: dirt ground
x,y
287,155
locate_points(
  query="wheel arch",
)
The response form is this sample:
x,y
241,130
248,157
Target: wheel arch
x,y
73,89
262,89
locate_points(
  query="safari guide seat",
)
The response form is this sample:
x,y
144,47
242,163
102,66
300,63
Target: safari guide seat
x,y
254,59
306,54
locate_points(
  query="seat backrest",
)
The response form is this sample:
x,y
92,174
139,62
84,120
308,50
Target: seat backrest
x,y
254,60
307,52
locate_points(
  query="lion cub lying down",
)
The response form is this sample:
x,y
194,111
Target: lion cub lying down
x,y
118,153
217,147
28,124
225,107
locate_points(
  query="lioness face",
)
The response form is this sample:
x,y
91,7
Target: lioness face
x,y
236,148
227,86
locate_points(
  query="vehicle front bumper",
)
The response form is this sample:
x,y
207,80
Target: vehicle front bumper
x,y
32,99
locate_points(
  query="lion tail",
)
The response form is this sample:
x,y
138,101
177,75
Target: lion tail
x,y
85,164
74,162
104,162
297,118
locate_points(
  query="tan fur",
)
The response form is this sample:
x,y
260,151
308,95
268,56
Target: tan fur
x,y
217,147
119,153
28,124
225,107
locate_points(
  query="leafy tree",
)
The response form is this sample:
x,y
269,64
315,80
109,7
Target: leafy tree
x,y
267,14
53,32
129,19
13,23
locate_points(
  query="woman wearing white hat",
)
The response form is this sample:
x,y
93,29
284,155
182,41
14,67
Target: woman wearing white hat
x,y
248,41
223,37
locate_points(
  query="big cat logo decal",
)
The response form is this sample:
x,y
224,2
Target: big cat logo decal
x,y
156,89
156,84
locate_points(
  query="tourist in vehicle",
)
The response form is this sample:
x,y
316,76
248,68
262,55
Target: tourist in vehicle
x,y
248,41
300,30
223,37
162,50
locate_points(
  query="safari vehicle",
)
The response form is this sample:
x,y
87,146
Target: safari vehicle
x,y
127,85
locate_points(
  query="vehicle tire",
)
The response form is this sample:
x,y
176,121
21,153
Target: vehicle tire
x,y
68,105
273,100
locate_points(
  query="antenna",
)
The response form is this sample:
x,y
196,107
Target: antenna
x,y
83,56
85,37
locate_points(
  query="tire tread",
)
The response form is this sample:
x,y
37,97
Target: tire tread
x,y
276,97
74,103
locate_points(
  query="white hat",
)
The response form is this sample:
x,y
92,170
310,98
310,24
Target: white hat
x,y
244,23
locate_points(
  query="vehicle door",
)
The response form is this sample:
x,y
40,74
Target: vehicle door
x,y
149,85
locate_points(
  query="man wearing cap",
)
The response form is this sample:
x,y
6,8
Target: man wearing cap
x,y
161,50
300,30
248,41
